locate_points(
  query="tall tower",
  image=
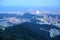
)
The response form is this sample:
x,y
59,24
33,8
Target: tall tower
x,y
45,17
56,19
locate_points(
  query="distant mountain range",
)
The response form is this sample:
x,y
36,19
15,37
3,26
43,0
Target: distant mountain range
x,y
27,16
2,15
25,9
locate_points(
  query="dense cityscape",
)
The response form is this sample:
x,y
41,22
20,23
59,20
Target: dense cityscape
x,y
29,19
49,19
46,19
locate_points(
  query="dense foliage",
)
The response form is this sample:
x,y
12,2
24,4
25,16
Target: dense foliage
x,y
26,31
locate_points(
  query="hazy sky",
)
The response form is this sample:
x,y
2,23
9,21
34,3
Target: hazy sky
x,y
30,3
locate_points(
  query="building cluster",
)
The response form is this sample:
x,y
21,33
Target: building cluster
x,y
12,20
50,20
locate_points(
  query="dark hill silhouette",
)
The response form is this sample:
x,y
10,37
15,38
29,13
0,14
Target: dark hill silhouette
x,y
27,31
30,16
